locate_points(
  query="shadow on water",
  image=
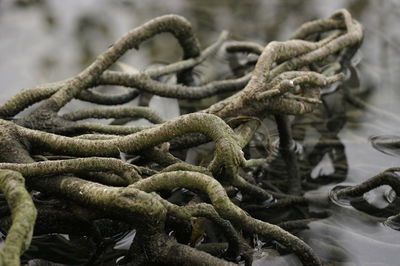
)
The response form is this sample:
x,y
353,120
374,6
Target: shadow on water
x,y
44,41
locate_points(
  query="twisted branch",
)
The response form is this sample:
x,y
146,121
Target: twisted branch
x,y
280,83
23,214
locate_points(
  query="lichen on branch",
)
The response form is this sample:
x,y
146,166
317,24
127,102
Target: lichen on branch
x,y
143,176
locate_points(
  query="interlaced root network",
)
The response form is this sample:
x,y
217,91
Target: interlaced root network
x,y
138,176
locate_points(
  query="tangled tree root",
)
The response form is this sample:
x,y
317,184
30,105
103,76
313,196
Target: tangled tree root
x,y
114,171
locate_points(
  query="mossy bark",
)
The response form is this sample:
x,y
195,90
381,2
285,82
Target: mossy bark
x,y
107,153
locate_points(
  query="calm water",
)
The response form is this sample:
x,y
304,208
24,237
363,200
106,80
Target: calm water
x,y
45,41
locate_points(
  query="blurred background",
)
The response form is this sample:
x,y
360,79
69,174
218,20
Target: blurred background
x,y
44,41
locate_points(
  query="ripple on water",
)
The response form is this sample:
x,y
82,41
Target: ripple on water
x,y
390,195
344,200
393,222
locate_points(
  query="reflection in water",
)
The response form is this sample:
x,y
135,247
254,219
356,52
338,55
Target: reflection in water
x,y
63,36
355,240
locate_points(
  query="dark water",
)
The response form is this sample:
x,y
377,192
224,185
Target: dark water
x,y
45,41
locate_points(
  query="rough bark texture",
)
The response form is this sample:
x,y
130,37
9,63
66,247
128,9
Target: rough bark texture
x,y
129,173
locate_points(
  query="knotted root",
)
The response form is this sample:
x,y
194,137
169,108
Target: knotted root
x,y
138,161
